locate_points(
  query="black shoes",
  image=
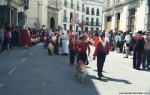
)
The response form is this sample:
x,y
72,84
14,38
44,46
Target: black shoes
x,y
100,76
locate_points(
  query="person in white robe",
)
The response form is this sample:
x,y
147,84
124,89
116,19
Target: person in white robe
x,y
63,42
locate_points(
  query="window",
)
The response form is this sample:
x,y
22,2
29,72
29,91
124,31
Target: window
x,y
131,20
71,27
65,3
97,22
87,21
87,10
65,26
65,16
71,17
92,28
82,17
97,29
92,21
86,29
83,8
71,4
108,2
97,13
78,8
92,12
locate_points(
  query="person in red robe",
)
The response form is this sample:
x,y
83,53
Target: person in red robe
x,y
82,48
73,43
101,50
25,39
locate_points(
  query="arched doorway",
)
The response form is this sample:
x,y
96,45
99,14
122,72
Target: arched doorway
x,y
52,23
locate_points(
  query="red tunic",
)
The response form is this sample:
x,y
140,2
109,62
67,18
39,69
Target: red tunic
x,y
73,44
83,47
96,41
25,38
99,48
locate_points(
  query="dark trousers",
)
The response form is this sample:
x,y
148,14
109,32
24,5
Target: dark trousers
x,y
82,56
100,62
121,47
72,56
137,59
146,59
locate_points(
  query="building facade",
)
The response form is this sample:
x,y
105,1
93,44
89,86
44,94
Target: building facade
x,y
126,15
12,12
93,15
68,13
73,13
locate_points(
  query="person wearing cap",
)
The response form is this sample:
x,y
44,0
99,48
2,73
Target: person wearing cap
x,y
101,50
138,49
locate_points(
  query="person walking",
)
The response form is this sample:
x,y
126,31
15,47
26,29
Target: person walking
x,y
138,49
63,42
101,50
82,48
72,48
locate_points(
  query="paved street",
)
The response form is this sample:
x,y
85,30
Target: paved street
x,y
32,72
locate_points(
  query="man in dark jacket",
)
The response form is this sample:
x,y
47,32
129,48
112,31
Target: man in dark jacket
x,y
138,48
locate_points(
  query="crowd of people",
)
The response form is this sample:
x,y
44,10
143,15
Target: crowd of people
x,y
137,44
77,44
127,43
11,37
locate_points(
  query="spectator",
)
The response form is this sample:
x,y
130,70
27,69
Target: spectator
x,y
127,41
1,38
138,49
8,36
146,54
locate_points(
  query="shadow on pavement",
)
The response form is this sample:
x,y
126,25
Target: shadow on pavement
x,y
147,70
107,79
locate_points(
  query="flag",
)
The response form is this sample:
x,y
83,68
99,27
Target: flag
x,y
74,18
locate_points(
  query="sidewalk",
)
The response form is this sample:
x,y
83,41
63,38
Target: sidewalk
x,y
119,76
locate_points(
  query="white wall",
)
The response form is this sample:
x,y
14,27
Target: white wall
x,y
33,13
123,18
96,6
140,22
139,18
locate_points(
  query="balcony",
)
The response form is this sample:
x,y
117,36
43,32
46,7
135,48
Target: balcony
x,y
92,23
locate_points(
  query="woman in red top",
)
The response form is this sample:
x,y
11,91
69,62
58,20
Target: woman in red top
x,y
72,48
101,50
83,46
